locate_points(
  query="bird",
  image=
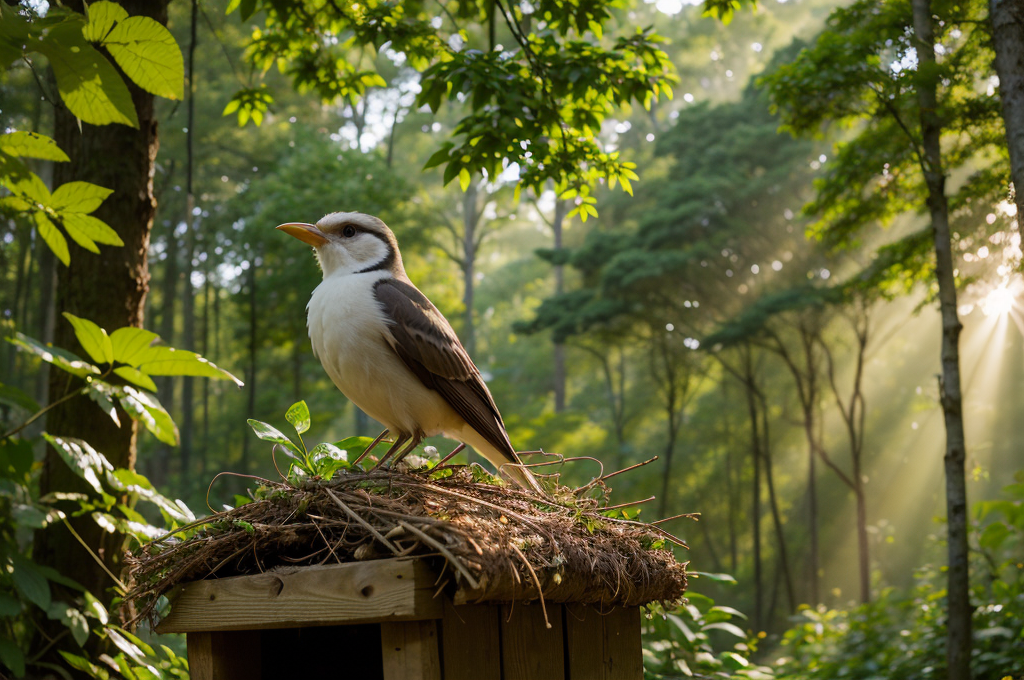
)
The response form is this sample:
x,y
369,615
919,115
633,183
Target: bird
x,y
391,351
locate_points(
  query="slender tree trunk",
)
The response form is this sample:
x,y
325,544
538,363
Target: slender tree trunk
x,y
958,638
469,217
109,289
188,306
251,405
755,513
559,376
204,445
1007,18
780,536
47,314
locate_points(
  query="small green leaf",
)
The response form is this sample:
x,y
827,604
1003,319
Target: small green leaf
x,y
270,433
130,344
12,396
95,608
12,657
78,197
73,619
89,85
84,460
147,53
102,17
101,393
298,416
126,646
723,578
62,359
170,361
727,627
82,664
9,606
94,340
29,581
133,375
53,238
145,408
91,227
31,145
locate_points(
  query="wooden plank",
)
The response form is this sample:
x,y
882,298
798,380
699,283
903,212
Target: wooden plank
x,y
471,640
603,645
410,650
531,651
358,592
231,655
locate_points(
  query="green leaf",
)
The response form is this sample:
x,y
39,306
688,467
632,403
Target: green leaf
x,y
328,459
12,657
73,619
95,608
102,18
78,197
53,238
298,416
89,85
248,8
134,375
126,645
354,446
101,393
29,581
147,53
94,340
12,396
84,460
82,664
170,361
9,606
91,227
31,145
727,627
722,578
62,359
16,457
269,433
130,344
146,409
994,535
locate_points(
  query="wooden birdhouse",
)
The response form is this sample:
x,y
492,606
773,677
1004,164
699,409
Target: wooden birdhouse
x,y
386,619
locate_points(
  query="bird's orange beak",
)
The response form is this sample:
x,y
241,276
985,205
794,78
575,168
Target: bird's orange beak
x,y
307,233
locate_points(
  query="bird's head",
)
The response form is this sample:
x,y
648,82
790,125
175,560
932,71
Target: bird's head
x,y
349,243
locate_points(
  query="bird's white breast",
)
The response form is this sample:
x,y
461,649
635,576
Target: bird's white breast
x,y
348,330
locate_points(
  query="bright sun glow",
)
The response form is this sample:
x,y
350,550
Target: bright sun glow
x,y
999,302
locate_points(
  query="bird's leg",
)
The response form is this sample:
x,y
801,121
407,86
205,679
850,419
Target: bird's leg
x,y
451,455
372,445
399,442
407,450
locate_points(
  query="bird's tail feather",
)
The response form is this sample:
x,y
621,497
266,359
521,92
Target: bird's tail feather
x,y
523,477
507,463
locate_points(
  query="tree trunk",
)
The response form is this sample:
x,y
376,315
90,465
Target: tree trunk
x,y
188,305
469,218
1007,18
559,377
958,639
774,504
251,405
47,312
755,513
109,289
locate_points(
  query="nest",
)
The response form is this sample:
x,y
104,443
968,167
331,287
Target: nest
x,y
491,542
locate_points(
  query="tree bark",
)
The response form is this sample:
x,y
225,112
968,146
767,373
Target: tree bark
x,y
958,638
1007,18
109,289
755,513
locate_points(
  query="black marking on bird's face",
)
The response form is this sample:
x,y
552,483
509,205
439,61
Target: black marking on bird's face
x,y
358,244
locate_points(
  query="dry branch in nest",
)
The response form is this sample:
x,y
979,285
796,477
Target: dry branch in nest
x,y
494,543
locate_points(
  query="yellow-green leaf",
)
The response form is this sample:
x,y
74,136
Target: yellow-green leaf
x,y
53,238
130,344
93,227
78,197
102,18
94,340
31,145
134,375
147,53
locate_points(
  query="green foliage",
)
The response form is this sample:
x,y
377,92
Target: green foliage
x,y
903,635
320,462
539,105
699,639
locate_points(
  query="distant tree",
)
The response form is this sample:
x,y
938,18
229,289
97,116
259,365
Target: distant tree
x,y
1007,19
905,74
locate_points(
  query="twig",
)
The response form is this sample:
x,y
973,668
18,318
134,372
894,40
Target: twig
x,y
366,525
451,455
432,542
371,447
625,505
688,515
613,474
536,582
92,554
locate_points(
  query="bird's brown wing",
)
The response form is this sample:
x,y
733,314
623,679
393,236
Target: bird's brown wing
x,y
425,341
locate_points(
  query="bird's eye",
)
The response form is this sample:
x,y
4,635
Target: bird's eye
x,y
349,231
